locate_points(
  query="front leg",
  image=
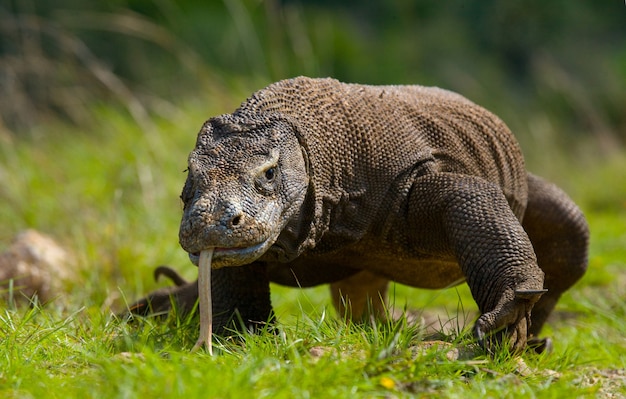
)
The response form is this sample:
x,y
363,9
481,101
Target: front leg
x,y
470,218
241,299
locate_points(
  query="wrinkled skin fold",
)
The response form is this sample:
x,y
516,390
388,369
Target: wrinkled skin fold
x,y
312,181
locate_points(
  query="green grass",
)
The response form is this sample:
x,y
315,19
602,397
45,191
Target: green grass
x,y
110,194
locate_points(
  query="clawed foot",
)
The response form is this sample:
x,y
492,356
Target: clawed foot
x,y
508,324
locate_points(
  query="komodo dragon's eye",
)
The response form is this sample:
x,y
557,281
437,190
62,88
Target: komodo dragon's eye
x,y
266,174
266,180
270,174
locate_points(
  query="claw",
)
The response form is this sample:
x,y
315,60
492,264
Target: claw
x,y
507,324
480,336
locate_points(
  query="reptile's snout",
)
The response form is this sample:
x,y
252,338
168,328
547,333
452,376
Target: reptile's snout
x,y
209,224
238,235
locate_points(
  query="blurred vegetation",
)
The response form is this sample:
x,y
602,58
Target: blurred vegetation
x,y
554,71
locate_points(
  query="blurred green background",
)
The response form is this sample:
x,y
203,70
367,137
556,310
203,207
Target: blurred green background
x,y
100,101
548,68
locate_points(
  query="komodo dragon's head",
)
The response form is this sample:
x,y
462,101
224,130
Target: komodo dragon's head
x,y
246,179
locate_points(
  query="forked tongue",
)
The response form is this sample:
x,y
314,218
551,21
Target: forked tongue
x,y
205,306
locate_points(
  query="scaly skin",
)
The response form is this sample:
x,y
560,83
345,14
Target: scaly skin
x,y
312,181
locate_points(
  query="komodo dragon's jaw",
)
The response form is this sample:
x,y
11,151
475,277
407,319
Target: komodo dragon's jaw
x,y
235,256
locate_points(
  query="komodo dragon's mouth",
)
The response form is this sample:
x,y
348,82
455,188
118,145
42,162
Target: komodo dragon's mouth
x,y
233,254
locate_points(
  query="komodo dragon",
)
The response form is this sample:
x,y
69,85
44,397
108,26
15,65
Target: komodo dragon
x,y
313,181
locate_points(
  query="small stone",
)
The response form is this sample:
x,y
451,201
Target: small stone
x,y
36,265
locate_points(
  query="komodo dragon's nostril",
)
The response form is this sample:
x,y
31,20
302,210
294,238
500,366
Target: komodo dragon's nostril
x,y
232,215
236,220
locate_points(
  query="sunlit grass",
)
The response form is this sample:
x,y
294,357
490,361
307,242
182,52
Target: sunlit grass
x,y
90,354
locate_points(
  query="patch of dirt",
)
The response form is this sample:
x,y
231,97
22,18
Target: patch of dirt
x,y
611,383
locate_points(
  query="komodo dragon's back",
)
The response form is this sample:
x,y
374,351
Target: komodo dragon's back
x,y
376,133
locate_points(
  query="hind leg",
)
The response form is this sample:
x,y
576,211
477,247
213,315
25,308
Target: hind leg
x,y
560,236
360,296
